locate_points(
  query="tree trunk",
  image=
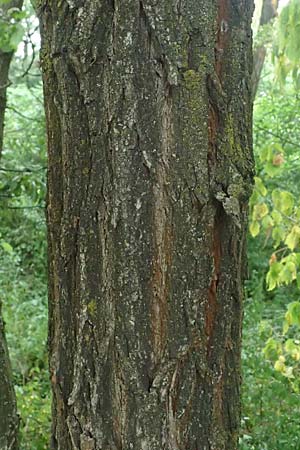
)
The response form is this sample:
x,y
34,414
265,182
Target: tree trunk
x,y
5,59
9,421
268,12
148,108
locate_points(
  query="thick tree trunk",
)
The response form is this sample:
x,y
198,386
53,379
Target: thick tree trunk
x,y
148,109
9,421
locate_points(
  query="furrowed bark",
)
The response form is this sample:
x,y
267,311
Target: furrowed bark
x,y
148,108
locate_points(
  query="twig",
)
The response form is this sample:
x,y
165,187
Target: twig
x,y
287,141
25,170
26,207
12,108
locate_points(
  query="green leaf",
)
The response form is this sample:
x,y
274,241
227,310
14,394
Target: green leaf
x,y
277,217
278,234
287,202
285,276
293,237
288,273
16,13
272,170
254,228
298,280
254,197
292,315
283,201
285,327
265,154
16,36
272,349
280,365
259,185
7,247
290,346
276,198
267,222
273,276
260,211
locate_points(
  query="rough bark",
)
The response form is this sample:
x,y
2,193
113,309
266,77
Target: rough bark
x,y
9,420
148,108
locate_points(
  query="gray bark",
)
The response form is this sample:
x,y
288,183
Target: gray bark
x,y
148,108
9,421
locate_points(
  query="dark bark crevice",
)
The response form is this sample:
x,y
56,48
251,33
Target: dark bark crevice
x,y
148,145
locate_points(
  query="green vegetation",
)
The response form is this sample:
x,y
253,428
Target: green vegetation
x,y
23,286
271,352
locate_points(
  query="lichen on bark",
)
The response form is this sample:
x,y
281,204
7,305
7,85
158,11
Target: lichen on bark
x,y
148,109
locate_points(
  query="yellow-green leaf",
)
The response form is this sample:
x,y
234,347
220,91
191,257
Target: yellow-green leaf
x,y
7,247
267,222
259,185
254,228
292,315
260,211
283,201
293,237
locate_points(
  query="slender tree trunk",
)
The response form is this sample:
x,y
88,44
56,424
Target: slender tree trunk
x,y
9,421
5,59
268,12
148,108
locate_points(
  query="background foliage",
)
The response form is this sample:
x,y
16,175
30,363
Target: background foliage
x,y
23,287
271,352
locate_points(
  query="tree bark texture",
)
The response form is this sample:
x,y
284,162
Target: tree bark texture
x,y
148,108
9,420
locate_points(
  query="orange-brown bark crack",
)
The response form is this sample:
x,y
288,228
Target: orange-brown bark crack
x,y
214,126
160,285
212,302
163,235
222,35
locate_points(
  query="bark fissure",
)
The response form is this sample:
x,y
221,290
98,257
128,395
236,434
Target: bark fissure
x,y
145,124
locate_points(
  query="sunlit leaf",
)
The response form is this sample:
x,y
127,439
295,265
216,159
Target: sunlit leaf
x,y
7,247
293,313
260,211
254,228
293,237
259,185
273,277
